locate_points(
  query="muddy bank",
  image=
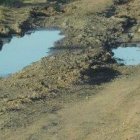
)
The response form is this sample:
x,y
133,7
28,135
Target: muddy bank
x,y
86,62
94,32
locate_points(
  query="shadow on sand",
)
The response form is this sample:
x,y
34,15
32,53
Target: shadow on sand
x,y
99,75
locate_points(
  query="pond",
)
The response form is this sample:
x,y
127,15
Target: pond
x,y
128,54
22,51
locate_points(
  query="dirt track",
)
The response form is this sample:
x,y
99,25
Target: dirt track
x,y
30,108
111,114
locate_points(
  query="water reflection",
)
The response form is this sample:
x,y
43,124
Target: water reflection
x,y
20,52
129,54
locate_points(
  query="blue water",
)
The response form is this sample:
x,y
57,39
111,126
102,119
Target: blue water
x,y
20,52
127,55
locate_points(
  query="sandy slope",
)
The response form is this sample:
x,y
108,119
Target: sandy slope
x,y
111,114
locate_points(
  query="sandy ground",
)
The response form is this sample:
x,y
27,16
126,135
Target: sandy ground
x,y
111,114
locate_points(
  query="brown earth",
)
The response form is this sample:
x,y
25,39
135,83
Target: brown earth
x,y
111,112
80,92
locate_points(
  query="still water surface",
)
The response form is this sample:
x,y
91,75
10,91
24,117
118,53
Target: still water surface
x,y
20,52
128,55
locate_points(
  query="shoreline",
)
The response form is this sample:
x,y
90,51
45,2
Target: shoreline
x,y
80,72
102,56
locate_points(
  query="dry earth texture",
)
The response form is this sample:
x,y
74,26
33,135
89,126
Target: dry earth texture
x,y
79,92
